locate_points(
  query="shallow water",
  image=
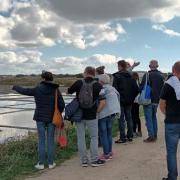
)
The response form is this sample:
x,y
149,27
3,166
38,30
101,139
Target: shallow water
x,y
17,110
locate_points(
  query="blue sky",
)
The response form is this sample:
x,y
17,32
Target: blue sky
x,y
36,35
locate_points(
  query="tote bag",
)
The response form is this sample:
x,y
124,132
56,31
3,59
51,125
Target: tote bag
x,y
57,117
73,112
145,96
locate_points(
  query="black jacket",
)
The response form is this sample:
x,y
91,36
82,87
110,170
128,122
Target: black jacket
x,y
126,86
156,81
44,95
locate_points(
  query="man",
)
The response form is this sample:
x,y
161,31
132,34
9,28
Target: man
x,y
89,116
155,80
170,106
128,90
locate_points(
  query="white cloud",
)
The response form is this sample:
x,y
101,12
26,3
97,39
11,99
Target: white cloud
x,y
5,5
165,30
29,62
21,62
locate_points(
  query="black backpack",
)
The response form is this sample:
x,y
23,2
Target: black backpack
x,y
85,96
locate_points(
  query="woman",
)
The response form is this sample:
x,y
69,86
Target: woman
x,y
44,95
106,116
135,111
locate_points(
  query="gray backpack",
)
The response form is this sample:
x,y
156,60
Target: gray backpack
x,y
86,95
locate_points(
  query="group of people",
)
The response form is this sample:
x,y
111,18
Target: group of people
x,y
109,97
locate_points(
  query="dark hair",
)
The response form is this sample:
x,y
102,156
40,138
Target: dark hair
x,y
176,67
122,64
90,70
100,70
48,76
135,76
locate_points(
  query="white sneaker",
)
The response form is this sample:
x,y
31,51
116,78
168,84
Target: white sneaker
x,y
39,166
52,166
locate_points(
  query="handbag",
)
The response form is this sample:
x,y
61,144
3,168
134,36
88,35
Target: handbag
x,y
145,95
57,116
73,112
61,137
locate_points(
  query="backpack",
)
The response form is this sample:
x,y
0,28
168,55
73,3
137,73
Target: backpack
x,y
85,96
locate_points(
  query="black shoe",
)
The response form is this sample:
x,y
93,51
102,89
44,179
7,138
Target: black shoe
x,y
98,163
164,178
130,139
84,164
121,141
149,140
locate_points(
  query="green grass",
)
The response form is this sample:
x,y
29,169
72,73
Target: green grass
x,y
17,158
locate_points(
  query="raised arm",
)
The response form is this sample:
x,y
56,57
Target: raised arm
x,y
24,91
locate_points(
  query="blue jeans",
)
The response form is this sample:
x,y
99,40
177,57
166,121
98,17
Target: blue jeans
x,y
151,119
41,128
126,116
172,135
105,129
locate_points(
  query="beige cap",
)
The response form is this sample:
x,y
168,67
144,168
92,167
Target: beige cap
x,y
104,78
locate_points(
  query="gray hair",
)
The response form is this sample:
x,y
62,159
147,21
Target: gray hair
x,y
104,78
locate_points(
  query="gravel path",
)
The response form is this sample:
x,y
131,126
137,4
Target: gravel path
x,y
134,161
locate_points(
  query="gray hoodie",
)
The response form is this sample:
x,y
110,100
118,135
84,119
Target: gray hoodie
x,y
112,102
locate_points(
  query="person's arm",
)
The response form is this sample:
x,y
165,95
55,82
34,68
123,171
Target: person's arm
x,y
162,105
101,105
74,87
115,83
24,91
61,103
141,86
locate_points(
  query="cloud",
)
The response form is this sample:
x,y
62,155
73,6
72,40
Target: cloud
x,y
21,62
28,62
107,10
165,30
5,5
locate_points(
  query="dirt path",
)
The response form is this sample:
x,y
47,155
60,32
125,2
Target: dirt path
x,y
135,161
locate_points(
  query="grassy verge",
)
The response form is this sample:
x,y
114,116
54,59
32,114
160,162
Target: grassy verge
x,y
17,159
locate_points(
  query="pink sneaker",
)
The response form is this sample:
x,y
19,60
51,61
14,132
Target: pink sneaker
x,y
105,157
111,154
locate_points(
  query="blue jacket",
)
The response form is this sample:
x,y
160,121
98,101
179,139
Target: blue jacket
x,y
44,95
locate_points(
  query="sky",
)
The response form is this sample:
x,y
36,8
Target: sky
x,y
65,36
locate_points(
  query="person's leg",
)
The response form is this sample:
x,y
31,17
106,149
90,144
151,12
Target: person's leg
x,y
109,133
122,125
80,127
93,130
50,142
104,136
133,113
154,119
41,129
137,116
172,134
148,118
128,117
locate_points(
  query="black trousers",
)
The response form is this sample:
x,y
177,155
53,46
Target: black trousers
x,y
136,118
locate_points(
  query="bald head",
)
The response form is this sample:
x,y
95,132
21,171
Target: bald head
x,y
153,64
176,69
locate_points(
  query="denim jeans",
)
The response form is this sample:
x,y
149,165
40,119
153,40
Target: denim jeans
x,y
42,127
151,119
126,116
172,135
105,129
92,126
